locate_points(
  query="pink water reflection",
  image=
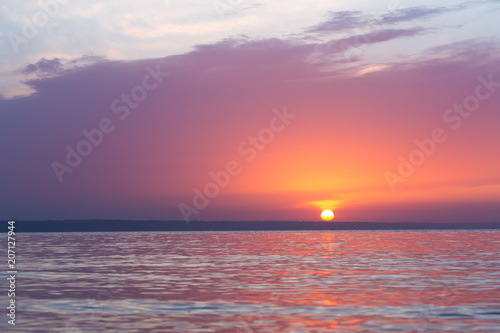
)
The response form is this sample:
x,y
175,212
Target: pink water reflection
x,y
260,282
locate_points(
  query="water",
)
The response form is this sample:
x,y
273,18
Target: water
x,y
397,281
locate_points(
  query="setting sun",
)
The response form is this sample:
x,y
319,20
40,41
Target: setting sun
x,y
327,215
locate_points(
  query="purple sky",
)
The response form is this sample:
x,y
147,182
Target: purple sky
x,y
379,113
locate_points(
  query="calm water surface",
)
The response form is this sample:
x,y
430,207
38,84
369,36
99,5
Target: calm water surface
x,y
398,281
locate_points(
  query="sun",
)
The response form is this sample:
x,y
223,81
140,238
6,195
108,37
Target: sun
x,y
327,215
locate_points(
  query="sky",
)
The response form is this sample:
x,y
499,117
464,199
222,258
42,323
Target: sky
x,y
250,110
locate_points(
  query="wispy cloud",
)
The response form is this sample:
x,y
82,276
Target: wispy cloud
x,y
340,21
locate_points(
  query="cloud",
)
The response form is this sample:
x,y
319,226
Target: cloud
x,y
348,20
52,66
57,65
344,44
215,97
340,21
414,13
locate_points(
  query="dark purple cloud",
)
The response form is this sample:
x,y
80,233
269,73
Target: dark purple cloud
x,y
415,13
47,67
340,21
44,66
212,100
344,44
349,20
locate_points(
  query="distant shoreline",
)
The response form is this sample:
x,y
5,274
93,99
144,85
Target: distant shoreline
x,y
140,225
